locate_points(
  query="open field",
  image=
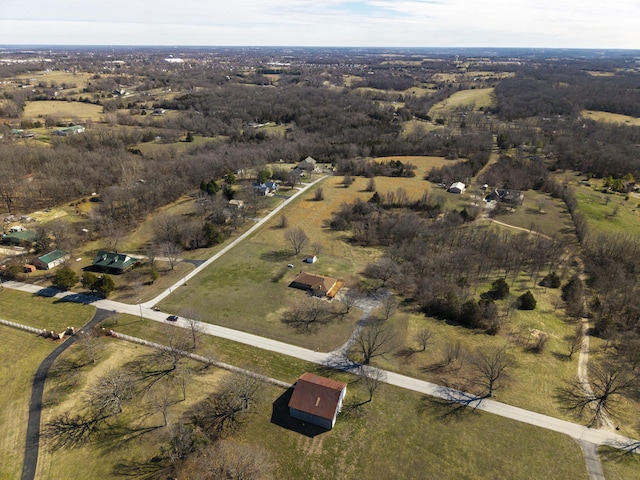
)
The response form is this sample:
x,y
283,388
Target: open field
x,y
599,116
608,213
477,98
66,111
20,356
425,445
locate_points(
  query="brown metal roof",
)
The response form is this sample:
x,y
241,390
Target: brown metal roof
x,y
314,282
317,395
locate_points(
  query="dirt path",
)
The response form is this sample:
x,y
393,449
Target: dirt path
x,y
32,446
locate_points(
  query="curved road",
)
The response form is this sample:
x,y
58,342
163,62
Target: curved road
x,y
35,404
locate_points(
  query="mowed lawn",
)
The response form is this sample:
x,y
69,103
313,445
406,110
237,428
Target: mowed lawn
x,y
67,111
20,357
424,445
42,311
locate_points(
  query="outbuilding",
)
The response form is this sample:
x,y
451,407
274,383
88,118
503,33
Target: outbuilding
x,y
457,187
317,400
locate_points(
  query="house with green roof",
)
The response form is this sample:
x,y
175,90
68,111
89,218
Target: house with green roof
x,y
51,260
110,262
24,238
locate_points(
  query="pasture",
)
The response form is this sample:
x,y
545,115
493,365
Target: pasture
x,y
476,98
608,117
63,111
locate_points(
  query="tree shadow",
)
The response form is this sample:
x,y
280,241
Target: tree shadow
x,y
155,468
280,416
405,353
452,404
621,452
276,256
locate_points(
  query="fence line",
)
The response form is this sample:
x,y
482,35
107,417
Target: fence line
x,y
200,358
37,331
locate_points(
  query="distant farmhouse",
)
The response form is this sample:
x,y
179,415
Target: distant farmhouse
x,y
317,400
109,262
74,130
317,285
306,167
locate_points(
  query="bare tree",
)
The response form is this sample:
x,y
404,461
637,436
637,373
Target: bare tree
x,y
308,316
297,239
372,379
183,376
283,222
177,343
350,298
89,341
608,382
389,306
110,392
574,341
229,459
172,253
383,270
489,365
371,185
374,339
423,338
317,248
194,320
224,410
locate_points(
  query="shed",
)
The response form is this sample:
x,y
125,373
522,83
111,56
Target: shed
x,y
317,400
51,259
310,259
25,237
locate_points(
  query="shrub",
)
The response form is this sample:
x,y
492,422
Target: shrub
x,y
527,301
499,290
551,280
65,278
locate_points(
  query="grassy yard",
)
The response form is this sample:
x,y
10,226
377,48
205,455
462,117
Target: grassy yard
x,y
543,214
20,356
43,312
608,213
618,465
424,445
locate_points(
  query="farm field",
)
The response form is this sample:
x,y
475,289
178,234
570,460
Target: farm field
x,y
21,352
63,111
477,98
608,117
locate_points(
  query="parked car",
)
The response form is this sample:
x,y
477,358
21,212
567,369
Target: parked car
x,y
173,318
156,309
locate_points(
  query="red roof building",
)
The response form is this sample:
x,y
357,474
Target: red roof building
x,y
317,400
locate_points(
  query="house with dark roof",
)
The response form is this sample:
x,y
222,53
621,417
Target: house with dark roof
x,y
317,400
51,259
317,285
511,197
110,262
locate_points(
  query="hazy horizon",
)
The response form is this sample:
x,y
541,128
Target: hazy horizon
x,y
332,23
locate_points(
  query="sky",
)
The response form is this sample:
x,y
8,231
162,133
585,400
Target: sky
x,y
355,23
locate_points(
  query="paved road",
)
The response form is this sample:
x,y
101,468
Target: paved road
x,y
238,240
35,404
576,431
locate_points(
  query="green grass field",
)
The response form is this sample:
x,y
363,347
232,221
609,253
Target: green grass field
x,y
20,357
43,312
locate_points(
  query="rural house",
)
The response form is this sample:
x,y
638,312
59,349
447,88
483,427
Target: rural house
x,y
109,262
317,285
23,238
75,129
317,400
511,197
51,259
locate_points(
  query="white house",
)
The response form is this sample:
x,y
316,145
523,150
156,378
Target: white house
x,y
457,187
51,260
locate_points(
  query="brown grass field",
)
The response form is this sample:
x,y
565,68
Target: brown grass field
x,y
607,117
66,111
481,97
